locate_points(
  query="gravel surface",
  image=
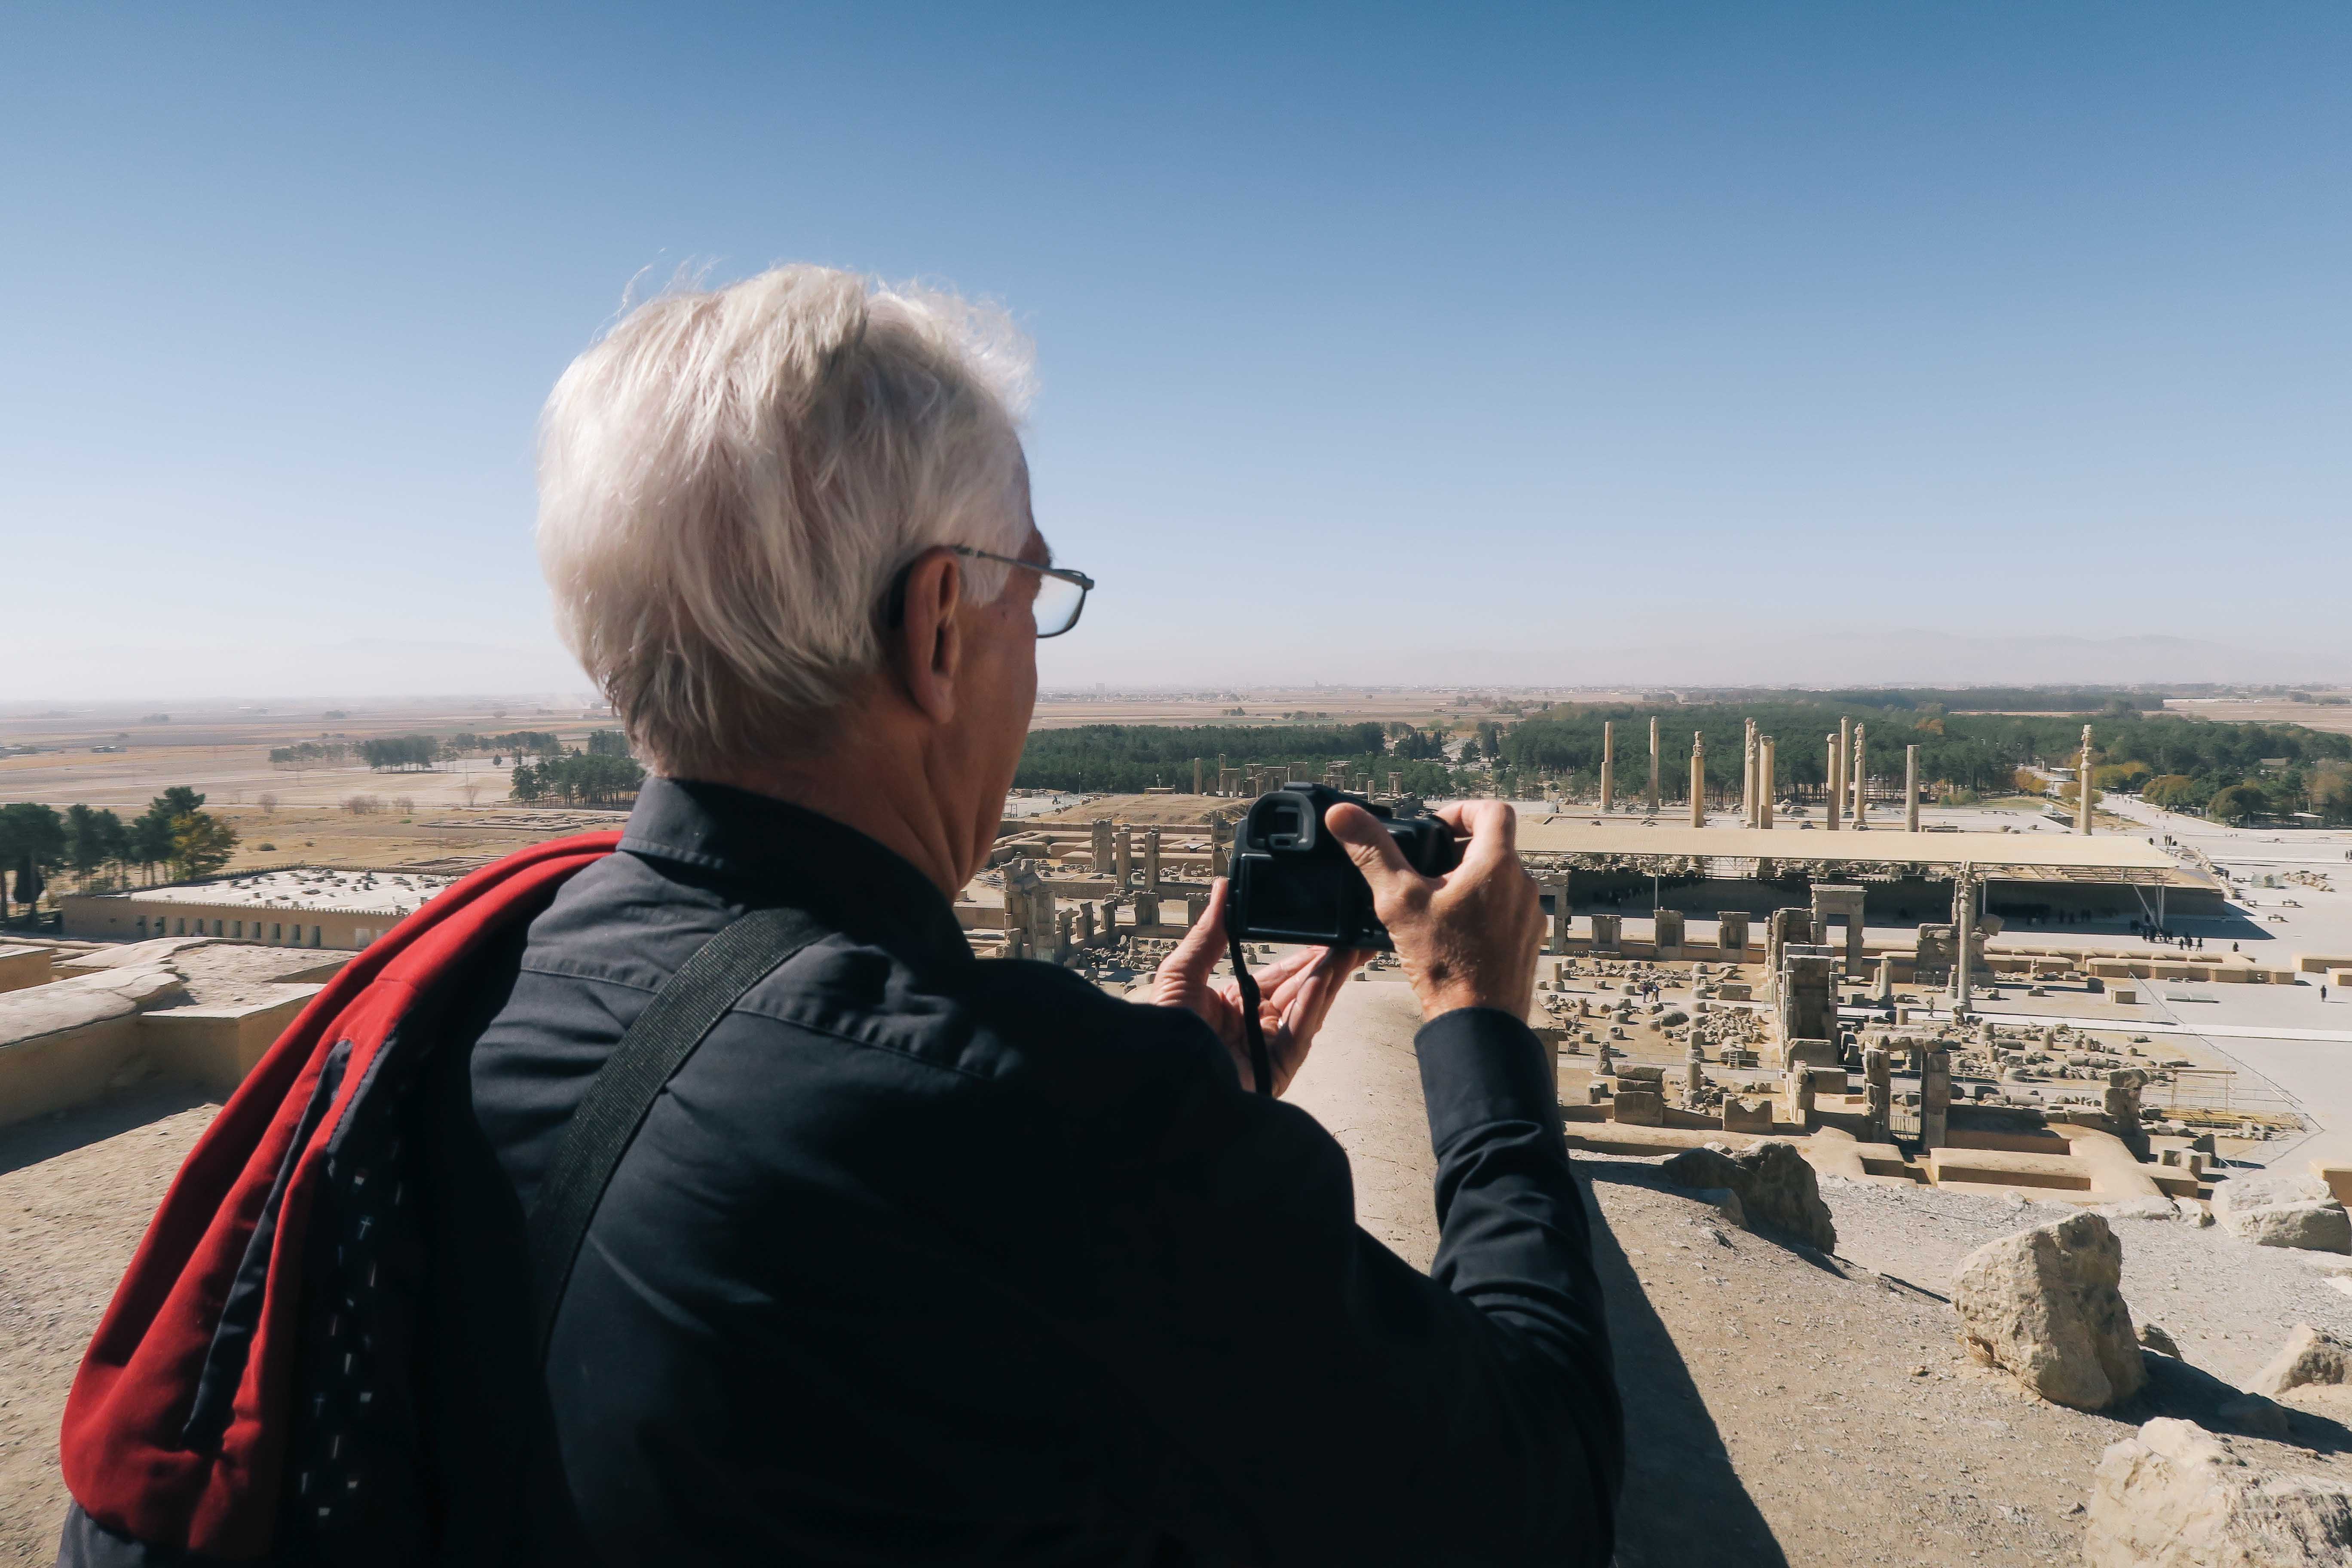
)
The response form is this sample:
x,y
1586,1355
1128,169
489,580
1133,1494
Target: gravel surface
x,y
76,1192
2229,1304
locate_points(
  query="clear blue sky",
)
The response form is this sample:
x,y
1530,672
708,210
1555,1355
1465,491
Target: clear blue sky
x,y
1452,341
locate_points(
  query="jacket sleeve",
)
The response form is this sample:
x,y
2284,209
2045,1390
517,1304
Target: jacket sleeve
x,y
1322,1401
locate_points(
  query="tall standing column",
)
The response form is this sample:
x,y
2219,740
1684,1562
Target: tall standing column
x,y
1196,776
1835,794
1653,765
2083,785
1910,789
1858,764
1767,776
1698,778
1964,929
1747,774
1608,764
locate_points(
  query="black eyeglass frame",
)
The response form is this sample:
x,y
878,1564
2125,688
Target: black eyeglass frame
x,y
895,611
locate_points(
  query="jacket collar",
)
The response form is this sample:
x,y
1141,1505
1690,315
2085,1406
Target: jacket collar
x,y
773,852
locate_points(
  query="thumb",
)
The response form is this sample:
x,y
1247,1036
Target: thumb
x,y
1368,844
1203,943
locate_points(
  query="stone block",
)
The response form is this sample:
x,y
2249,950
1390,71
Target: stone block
x,y
2175,1496
1734,991
1744,1113
1811,1053
2279,1210
1638,1107
2044,1305
1777,1189
2310,1355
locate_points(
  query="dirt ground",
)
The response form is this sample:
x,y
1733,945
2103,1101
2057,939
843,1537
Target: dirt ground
x,y
76,1192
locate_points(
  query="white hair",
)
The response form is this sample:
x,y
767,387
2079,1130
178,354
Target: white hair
x,y
730,481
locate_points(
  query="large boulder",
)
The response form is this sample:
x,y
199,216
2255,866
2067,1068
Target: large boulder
x,y
2178,1497
2044,1305
1776,1187
2310,1355
2275,1209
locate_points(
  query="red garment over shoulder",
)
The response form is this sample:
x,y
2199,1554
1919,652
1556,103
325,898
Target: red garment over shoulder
x,y
175,1432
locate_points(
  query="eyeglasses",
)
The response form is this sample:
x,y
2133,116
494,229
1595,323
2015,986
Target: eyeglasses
x,y
1060,592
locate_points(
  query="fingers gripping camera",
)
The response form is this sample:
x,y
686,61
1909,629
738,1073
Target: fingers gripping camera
x,y
1292,882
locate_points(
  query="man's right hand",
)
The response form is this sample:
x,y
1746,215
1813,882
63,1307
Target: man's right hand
x,y
1466,939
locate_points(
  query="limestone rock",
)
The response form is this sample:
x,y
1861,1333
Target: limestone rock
x,y
114,992
2155,1205
2277,1210
1776,1187
2043,1304
2310,1355
2153,1337
2177,1497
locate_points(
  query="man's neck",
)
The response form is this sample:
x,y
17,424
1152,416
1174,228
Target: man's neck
x,y
888,798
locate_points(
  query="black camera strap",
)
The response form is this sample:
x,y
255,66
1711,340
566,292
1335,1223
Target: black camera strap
x,y
1261,1060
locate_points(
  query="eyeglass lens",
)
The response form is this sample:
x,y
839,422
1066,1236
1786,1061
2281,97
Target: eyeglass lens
x,y
1056,604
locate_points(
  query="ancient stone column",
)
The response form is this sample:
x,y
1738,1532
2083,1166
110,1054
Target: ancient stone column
x,y
1396,784
1608,764
2083,785
1695,1076
1878,1092
1936,1100
1768,768
1222,788
1219,850
1653,765
1123,854
1559,913
1858,764
1964,926
1102,846
1833,795
1151,861
1086,922
1698,779
1065,933
1910,789
1147,910
1749,814
1197,780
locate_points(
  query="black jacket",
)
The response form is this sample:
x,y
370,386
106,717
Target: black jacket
x,y
926,1259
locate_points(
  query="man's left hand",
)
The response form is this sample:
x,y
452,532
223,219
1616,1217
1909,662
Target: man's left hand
x,y
1295,993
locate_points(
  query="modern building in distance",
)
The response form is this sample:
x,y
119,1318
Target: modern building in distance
x,y
298,907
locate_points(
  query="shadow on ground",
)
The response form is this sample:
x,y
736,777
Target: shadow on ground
x,y
47,1137
1684,1502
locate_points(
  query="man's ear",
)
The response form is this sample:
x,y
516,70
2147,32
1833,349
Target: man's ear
x,y
926,649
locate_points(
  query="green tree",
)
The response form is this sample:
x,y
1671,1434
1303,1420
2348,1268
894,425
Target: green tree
x,y
32,845
201,845
2236,802
150,835
400,751
94,839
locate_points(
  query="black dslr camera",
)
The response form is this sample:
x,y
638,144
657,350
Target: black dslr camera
x,y
1294,882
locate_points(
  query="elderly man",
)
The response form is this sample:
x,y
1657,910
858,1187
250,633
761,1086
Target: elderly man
x,y
917,1258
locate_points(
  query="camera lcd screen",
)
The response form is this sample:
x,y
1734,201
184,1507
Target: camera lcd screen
x,y
1304,905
